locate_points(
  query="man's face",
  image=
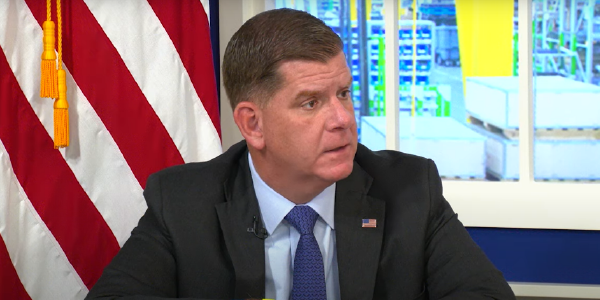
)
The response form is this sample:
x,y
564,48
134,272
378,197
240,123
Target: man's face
x,y
308,125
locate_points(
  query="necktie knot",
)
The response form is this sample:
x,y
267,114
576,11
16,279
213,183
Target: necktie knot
x,y
303,218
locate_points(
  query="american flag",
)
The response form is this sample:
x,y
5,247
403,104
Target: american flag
x,y
142,96
369,223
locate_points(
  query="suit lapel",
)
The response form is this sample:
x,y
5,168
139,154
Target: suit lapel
x,y
236,215
358,248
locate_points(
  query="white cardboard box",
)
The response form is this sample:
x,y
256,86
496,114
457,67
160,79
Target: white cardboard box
x,y
458,151
552,159
559,102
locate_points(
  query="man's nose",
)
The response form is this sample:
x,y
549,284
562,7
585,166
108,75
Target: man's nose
x,y
341,114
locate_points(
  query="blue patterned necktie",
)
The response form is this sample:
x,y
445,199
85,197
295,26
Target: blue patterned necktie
x,y
309,273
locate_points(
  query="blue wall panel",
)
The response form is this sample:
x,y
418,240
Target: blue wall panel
x,y
214,39
535,255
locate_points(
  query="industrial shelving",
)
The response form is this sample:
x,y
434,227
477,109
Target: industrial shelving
x,y
416,59
564,38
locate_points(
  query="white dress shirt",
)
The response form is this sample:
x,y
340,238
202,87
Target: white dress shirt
x,y
280,245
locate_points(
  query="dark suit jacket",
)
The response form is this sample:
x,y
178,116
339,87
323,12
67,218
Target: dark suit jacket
x,y
193,240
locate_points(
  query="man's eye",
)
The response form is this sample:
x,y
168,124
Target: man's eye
x,y
345,94
310,104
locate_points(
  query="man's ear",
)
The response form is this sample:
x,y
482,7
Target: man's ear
x,y
248,118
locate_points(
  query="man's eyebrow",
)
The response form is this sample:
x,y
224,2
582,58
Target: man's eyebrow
x,y
306,94
349,84
312,93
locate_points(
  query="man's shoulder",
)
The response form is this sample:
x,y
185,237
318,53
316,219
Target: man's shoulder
x,y
207,172
393,172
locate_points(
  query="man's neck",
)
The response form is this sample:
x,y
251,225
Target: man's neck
x,y
297,189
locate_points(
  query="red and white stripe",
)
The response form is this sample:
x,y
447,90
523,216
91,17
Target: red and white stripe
x,y
142,95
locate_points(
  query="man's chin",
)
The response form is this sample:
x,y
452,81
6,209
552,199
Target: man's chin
x,y
338,173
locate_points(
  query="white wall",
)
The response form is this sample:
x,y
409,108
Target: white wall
x,y
230,19
232,14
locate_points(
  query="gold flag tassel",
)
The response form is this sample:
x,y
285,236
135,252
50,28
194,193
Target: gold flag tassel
x,y
61,106
61,113
48,87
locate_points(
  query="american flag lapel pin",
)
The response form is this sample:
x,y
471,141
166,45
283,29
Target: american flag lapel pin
x,y
369,223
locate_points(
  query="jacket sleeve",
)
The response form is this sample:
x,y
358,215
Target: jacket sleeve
x,y
145,266
456,267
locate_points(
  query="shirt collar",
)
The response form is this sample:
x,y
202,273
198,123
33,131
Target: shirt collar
x,y
274,207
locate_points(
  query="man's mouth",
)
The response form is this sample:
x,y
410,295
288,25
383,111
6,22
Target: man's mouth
x,y
338,149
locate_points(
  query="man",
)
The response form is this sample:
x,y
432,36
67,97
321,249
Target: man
x,y
299,210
